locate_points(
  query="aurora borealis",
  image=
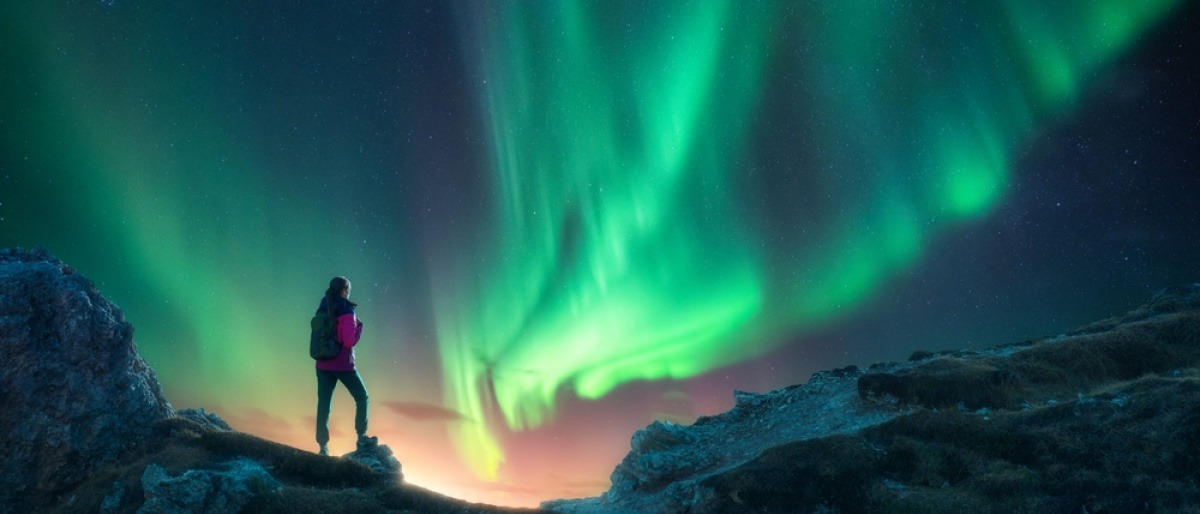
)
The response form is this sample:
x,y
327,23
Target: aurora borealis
x,y
564,220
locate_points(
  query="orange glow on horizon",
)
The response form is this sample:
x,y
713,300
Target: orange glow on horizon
x,y
429,461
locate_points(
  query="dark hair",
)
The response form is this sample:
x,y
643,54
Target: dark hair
x,y
336,286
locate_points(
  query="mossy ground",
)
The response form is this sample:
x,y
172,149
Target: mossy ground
x,y
1134,447
1107,420
1049,370
310,482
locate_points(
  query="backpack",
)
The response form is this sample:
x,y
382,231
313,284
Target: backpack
x,y
323,344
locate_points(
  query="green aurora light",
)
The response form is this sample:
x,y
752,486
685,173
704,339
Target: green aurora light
x,y
619,248
163,185
196,158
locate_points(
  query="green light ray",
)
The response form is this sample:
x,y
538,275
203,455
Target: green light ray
x,y
598,220
177,193
620,250
621,244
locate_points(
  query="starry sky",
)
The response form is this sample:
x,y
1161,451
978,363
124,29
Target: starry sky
x,y
565,220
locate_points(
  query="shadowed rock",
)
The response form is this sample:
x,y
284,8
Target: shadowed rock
x,y
73,389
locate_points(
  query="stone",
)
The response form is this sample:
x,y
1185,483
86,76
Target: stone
x,y
380,459
205,491
74,392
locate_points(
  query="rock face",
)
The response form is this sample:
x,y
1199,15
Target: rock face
x,y
74,392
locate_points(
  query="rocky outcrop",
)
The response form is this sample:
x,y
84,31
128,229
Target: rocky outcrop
x,y
74,392
669,463
1101,419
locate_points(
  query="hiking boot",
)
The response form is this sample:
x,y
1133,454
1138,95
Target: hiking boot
x,y
365,442
324,450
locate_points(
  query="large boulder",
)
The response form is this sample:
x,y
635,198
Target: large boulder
x,y
74,392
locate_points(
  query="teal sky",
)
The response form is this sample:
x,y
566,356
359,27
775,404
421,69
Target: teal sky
x,y
553,211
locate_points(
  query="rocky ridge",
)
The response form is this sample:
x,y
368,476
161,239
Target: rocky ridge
x,y
1105,418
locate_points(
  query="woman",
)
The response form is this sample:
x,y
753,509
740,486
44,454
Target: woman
x,y
341,368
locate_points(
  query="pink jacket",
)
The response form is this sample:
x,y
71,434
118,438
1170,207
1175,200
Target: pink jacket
x,y
349,331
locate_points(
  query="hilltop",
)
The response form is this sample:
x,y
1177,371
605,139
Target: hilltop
x,y
1105,418
86,427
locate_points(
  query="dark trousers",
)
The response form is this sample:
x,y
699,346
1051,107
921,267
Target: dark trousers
x,y
326,381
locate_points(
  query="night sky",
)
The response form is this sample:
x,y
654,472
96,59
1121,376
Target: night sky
x,y
564,220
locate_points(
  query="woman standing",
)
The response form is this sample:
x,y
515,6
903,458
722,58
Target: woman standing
x,y
338,306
